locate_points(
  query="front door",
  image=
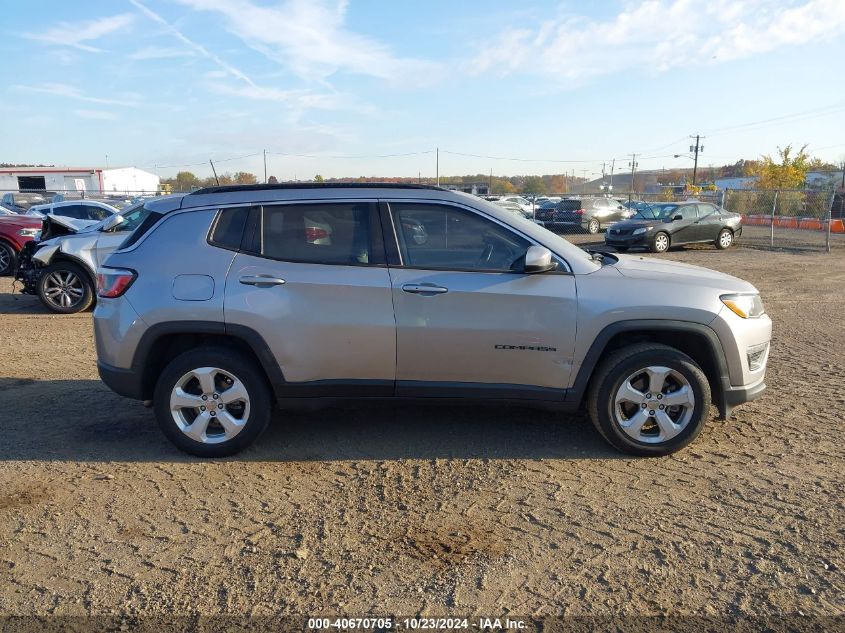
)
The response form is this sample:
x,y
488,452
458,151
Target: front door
x,y
468,322
312,281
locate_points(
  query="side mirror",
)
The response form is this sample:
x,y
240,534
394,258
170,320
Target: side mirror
x,y
677,217
112,222
538,259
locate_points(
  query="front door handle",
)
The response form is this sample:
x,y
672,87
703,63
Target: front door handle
x,y
424,289
262,281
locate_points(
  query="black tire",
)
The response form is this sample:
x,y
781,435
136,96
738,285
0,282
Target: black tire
x,y
658,245
621,249
65,270
722,242
8,259
593,226
232,362
614,370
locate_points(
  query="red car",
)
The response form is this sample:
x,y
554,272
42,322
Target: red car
x,y
15,231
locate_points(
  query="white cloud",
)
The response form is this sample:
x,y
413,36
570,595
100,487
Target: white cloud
x,y
96,115
161,52
658,35
72,92
75,34
310,38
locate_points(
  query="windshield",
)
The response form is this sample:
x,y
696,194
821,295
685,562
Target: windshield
x,y
656,212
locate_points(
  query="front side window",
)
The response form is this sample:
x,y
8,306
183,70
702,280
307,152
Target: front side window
x,y
435,236
95,213
317,233
688,212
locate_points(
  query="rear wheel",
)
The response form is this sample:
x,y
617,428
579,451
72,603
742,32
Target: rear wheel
x,y
593,226
8,259
725,239
649,399
212,402
66,288
660,244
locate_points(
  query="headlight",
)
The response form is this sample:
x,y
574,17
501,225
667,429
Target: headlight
x,y
642,230
29,232
746,306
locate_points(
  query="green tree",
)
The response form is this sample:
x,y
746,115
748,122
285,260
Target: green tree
x,y
319,178
534,185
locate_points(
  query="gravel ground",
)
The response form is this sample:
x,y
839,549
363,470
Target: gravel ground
x,y
388,509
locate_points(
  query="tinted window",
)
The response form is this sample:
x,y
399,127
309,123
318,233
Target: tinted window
x,y
569,205
229,227
317,233
439,236
74,211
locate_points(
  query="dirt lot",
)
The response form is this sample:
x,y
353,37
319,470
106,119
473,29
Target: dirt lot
x,y
403,510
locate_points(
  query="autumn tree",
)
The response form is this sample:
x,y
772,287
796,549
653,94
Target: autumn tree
x,y
319,178
272,180
787,171
244,178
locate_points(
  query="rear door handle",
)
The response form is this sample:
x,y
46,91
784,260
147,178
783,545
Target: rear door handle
x,y
262,281
424,289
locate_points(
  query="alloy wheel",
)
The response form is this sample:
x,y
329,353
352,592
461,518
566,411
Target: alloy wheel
x,y
661,242
63,288
654,404
725,239
209,405
5,259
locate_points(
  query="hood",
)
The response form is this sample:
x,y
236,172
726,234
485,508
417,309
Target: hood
x,y
635,267
20,221
57,225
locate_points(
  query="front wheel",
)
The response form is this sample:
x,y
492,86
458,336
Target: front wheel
x,y
8,259
65,288
725,239
660,244
593,226
212,402
649,399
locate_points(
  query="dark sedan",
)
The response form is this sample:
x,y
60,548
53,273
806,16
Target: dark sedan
x,y
662,225
591,214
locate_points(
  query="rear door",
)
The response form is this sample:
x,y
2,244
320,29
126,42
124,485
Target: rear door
x,y
709,222
468,322
312,280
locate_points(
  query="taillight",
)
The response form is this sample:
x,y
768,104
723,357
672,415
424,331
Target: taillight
x,y
113,282
579,212
312,233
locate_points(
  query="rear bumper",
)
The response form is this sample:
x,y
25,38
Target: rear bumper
x,y
124,382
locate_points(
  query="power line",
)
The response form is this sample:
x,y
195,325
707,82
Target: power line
x,y
351,156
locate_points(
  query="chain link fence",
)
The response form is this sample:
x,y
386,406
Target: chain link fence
x,y
798,220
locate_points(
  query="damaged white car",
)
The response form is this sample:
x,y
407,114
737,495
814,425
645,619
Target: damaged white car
x,y
60,264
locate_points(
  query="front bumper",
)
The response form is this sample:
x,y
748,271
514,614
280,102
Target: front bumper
x,y
627,241
734,396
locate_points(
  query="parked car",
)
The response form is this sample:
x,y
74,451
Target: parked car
x,y
21,201
591,214
524,205
15,231
219,306
61,268
77,209
5,211
662,225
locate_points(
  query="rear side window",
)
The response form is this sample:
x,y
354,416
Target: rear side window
x,y
569,205
229,228
337,233
148,223
95,213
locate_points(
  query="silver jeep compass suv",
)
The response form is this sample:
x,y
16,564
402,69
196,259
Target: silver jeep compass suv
x,y
229,300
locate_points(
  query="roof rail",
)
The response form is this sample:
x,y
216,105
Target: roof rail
x,y
313,185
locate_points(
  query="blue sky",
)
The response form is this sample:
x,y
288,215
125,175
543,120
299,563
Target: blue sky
x,y
371,87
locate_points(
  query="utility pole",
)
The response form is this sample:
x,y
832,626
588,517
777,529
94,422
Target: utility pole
x,y
633,165
612,165
214,171
265,166
584,181
696,149
437,165
490,189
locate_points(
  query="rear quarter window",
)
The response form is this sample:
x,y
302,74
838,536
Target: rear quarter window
x,y
228,228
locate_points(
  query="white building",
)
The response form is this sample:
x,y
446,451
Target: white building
x,y
126,180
